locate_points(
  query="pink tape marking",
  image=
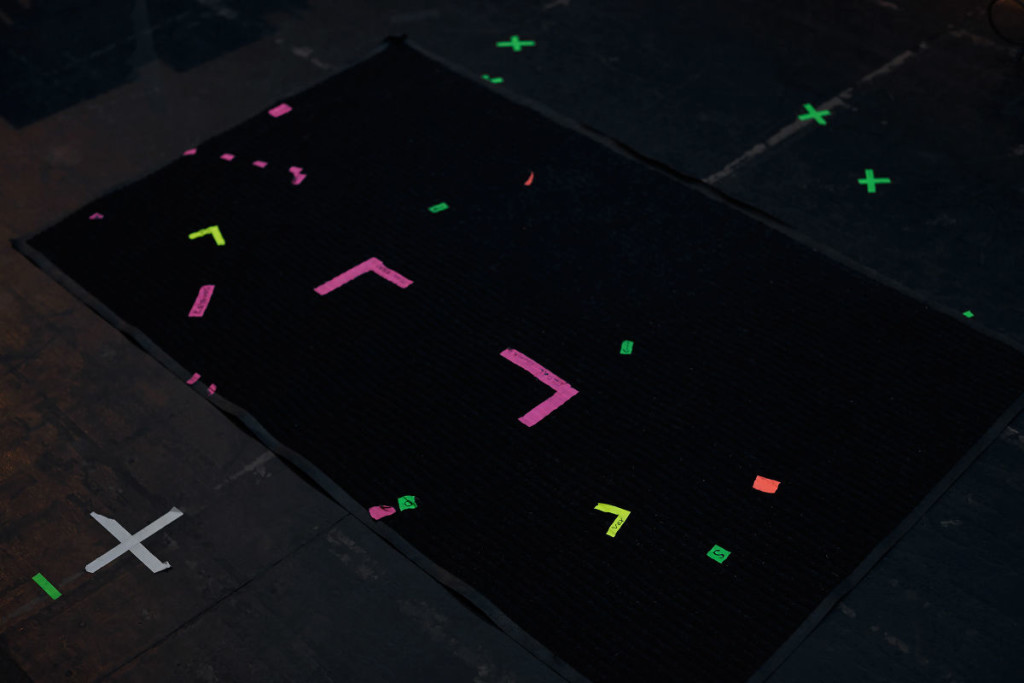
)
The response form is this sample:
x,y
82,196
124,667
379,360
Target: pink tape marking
x,y
261,164
279,110
193,379
227,157
381,511
370,265
202,301
213,388
529,181
189,152
298,175
766,485
563,392
96,216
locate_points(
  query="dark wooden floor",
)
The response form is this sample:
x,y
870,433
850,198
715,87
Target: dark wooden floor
x,y
273,581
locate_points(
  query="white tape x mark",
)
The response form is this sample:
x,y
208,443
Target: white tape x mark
x,y
132,543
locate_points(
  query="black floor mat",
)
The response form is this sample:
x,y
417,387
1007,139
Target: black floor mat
x,y
529,244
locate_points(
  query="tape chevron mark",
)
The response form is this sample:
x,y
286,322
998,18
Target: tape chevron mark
x,y
370,265
563,392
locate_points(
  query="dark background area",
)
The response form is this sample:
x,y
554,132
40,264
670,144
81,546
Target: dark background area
x,y
271,580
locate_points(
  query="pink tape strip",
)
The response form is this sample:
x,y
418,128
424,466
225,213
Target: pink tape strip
x,y
261,164
189,152
279,110
381,511
213,388
227,157
202,301
563,392
96,216
372,264
193,379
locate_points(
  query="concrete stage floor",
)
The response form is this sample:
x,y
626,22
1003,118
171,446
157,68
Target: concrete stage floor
x,y
271,580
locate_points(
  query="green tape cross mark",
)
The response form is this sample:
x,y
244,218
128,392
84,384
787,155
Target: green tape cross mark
x,y
516,44
46,586
812,113
870,180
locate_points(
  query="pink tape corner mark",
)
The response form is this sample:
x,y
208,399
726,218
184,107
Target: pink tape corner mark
x,y
96,216
563,392
260,164
372,264
298,175
193,379
280,110
202,301
189,152
381,511
227,157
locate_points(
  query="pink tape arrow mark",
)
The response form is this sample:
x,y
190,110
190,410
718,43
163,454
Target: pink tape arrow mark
x,y
563,392
370,265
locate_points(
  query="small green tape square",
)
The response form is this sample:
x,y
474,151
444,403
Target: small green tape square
x,y
627,348
46,586
719,554
407,502
437,208
968,314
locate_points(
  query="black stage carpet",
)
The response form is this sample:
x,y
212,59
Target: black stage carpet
x,y
752,357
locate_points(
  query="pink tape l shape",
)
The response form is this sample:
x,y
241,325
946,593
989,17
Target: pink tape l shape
x,y
563,392
370,265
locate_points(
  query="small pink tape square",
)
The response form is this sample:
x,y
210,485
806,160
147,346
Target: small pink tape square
x,y
381,511
766,485
280,110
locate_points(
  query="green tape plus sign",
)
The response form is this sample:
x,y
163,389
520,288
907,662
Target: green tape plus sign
x,y
813,113
516,44
870,180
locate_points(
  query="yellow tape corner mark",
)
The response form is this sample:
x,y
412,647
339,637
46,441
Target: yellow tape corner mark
x,y
620,517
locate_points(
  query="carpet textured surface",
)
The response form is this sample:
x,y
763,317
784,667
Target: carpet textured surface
x,y
752,356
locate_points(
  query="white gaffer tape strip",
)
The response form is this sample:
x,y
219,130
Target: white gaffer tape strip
x,y
132,543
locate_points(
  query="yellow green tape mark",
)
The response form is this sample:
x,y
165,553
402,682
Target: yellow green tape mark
x,y
46,586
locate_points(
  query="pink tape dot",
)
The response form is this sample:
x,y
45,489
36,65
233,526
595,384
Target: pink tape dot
x,y
766,485
280,110
381,511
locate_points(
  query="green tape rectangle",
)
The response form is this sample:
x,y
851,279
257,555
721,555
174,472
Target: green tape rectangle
x,y
627,348
46,586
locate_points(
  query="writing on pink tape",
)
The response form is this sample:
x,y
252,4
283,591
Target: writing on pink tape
x,y
193,379
202,301
563,391
381,511
279,110
227,157
370,265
